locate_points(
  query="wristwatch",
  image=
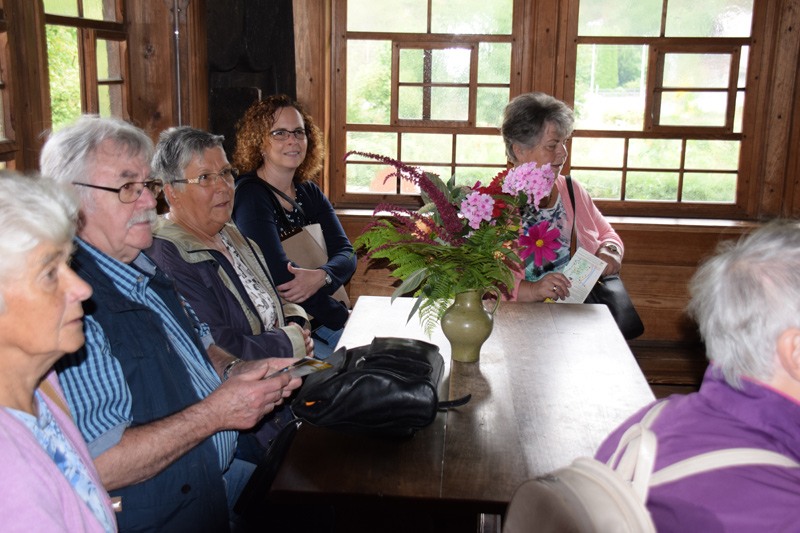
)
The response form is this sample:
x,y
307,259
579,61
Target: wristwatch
x,y
612,247
328,279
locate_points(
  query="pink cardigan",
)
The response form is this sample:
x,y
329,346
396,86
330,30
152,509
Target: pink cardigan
x,y
592,227
34,494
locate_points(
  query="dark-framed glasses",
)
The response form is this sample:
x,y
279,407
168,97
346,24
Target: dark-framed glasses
x,y
210,178
131,191
283,135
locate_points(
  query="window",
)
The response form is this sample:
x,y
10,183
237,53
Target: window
x,y
659,96
8,146
86,52
423,81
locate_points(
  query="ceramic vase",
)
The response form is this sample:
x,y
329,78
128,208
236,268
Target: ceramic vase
x,y
467,324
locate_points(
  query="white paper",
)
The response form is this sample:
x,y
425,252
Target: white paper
x,y
583,271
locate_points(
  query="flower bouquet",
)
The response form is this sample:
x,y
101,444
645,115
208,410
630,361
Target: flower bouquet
x,y
463,238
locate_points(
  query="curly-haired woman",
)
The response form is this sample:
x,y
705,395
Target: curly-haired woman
x,y
278,145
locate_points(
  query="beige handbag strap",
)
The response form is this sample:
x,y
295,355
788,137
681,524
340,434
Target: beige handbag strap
x,y
46,388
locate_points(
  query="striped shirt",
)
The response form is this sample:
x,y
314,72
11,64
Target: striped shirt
x,y
96,388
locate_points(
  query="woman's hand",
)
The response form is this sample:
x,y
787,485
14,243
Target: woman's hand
x,y
612,259
554,286
304,285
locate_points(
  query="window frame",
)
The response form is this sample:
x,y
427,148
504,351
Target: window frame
x,y
338,145
742,206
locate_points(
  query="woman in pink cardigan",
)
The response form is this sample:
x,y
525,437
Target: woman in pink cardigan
x,y
535,129
49,480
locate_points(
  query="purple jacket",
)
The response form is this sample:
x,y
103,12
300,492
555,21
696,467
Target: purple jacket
x,y
34,494
734,499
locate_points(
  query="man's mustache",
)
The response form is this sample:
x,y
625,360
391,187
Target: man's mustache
x,y
148,216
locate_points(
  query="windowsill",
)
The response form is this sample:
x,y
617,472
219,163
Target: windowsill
x,y
678,223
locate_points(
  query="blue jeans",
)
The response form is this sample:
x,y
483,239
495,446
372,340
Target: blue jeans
x,y
325,340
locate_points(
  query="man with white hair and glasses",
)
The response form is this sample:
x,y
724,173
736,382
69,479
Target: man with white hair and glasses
x,y
158,403
746,302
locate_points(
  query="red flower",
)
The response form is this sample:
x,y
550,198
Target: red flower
x,y
540,241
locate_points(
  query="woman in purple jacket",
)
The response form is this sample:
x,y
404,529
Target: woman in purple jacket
x,y
49,480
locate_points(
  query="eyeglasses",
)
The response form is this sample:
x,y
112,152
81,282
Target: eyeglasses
x,y
131,191
283,135
207,180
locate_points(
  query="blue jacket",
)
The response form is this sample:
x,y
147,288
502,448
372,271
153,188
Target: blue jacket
x,y
189,495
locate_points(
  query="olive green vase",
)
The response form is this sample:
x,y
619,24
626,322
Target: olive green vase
x,y
467,324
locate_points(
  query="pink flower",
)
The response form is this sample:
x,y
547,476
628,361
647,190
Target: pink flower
x,y
540,241
477,207
535,182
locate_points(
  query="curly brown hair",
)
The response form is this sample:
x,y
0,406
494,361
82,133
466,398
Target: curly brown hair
x,y
252,135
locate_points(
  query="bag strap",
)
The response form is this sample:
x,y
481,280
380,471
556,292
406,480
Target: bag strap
x,y
286,197
274,199
444,406
719,459
48,390
573,238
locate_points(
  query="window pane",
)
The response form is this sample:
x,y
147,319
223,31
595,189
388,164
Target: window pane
x,y
494,63
65,77
480,149
687,108
100,9
469,176
451,65
411,65
737,118
407,16
709,187
651,186
368,82
61,7
370,178
697,70
712,155
472,16
491,102
597,152
642,18
108,60
371,142
449,103
601,184
654,153
610,87
409,104
426,148
110,100
709,18
744,57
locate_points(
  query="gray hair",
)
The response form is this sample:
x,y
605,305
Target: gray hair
x,y
175,149
68,155
32,211
745,296
525,119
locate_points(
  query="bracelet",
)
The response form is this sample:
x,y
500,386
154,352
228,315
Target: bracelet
x,y
227,372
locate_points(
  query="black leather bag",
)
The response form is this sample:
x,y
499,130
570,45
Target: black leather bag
x,y
389,387
611,291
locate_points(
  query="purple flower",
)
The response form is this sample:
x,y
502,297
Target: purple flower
x,y
535,182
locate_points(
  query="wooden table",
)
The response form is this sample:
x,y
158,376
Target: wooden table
x,y
553,380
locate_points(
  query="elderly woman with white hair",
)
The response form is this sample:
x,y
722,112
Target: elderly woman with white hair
x,y
49,480
746,302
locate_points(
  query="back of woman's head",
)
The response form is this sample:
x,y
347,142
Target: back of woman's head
x,y
525,119
33,211
252,134
745,296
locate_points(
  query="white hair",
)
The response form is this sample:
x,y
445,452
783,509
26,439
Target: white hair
x,y
745,296
33,211
68,155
